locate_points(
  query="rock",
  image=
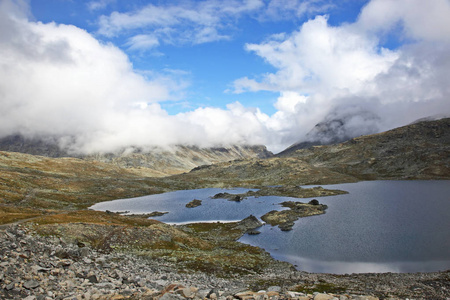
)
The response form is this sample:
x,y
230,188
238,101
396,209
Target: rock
x,y
84,252
230,197
202,293
249,223
37,269
31,284
274,289
169,296
320,296
189,292
194,203
10,286
314,202
92,279
245,295
286,226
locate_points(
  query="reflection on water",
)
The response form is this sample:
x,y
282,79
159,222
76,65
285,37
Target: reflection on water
x,y
381,226
348,267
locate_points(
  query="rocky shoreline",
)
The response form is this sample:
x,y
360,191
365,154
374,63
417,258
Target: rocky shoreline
x,y
47,267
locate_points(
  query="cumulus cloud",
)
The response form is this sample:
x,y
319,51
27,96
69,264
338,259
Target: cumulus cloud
x,y
59,81
339,68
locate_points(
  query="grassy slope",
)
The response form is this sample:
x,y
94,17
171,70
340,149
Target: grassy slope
x,y
65,183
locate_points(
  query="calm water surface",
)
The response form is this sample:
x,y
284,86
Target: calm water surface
x,y
381,226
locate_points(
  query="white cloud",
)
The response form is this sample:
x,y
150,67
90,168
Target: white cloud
x,y
186,22
285,9
99,4
320,57
345,68
420,20
142,42
59,81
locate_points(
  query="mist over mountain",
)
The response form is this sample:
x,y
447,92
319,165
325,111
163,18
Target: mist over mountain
x,y
62,82
151,161
338,126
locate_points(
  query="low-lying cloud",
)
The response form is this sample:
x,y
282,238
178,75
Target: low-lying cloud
x,y
59,81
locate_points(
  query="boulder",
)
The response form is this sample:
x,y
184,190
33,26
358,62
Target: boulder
x,y
249,223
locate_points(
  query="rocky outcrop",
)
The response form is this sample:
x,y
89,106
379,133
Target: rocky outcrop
x,y
285,219
283,191
194,203
229,197
249,224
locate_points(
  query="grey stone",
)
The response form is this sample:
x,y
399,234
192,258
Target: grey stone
x,y
169,296
84,252
320,296
274,289
31,284
202,293
92,279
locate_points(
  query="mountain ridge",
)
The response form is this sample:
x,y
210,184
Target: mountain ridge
x,y
154,161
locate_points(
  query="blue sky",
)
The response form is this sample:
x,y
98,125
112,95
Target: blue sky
x,y
102,75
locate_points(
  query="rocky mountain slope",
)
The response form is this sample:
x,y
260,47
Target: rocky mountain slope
x,y
417,151
178,159
154,161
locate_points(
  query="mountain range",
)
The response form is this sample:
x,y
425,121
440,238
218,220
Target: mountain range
x,y
416,151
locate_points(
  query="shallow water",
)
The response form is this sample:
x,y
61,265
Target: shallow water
x,y
381,226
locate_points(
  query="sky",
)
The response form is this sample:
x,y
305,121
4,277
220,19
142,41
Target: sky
x,y
103,75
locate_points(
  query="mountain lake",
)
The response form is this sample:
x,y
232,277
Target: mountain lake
x,y
380,226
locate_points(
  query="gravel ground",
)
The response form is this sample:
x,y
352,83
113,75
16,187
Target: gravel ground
x,y
37,267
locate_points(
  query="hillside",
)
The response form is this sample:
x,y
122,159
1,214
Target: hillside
x,y
417,151
65,183
152,161
178,159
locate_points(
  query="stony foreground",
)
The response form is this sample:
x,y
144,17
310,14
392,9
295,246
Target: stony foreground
x,y
36,267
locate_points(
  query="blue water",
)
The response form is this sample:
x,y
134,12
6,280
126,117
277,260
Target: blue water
x,y
380,226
